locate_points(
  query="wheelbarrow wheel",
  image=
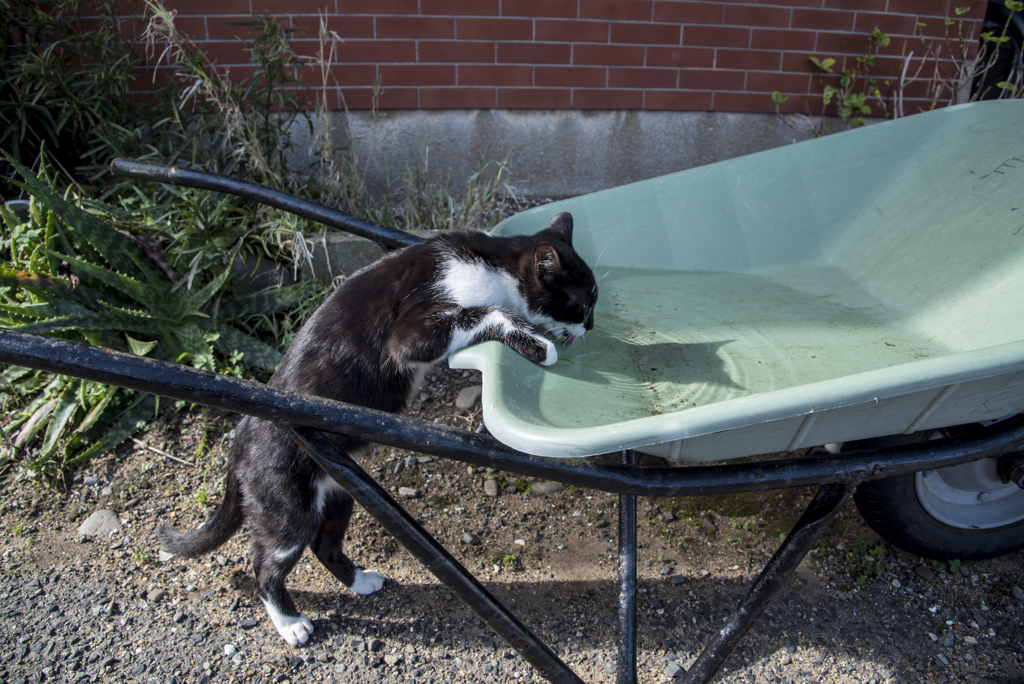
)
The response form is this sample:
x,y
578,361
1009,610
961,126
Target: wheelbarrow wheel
x,y
964,512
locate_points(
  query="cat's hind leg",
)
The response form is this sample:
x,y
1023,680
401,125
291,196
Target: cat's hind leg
x,y
329,538
272,567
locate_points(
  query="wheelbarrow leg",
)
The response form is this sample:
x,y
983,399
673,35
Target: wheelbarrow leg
x,y
375,501
626,673
819,514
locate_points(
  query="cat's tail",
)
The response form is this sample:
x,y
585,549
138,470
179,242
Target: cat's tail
x,y
213,532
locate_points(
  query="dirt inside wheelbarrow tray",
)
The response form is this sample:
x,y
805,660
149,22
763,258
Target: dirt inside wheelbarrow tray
x,y
76,608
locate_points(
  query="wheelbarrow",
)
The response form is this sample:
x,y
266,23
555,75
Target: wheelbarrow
x,y
861,291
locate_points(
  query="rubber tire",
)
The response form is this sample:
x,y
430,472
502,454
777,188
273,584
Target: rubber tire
x,y
891,507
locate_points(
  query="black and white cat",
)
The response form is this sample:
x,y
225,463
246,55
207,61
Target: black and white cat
x,y
370,344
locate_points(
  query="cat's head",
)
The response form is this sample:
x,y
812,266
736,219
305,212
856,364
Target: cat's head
x,y
559,286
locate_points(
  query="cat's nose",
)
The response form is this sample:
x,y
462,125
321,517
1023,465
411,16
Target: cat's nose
x,y
588,322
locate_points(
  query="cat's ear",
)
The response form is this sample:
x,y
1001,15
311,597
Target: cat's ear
x,y
561,225
546,259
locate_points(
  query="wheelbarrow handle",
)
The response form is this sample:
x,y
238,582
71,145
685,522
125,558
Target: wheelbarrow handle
x,y
387,238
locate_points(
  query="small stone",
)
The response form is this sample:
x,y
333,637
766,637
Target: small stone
x,y
789,645
179,617
924,573
708,526
609,668
547,487
164,556
667,516
491,488
230,650
468,397
408,492
1018,593
156,595
470,538
100,523
678,579
107,491
948,640
399,466
106,660
138,670
91,480
392,659
374,645
666,571
247,623
412,461
674,669
970,640
296,661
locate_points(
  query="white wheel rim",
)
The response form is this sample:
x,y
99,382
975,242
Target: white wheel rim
x,y
970,496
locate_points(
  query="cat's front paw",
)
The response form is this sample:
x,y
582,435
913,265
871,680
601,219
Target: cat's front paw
x,y
367,582
295,630
550,353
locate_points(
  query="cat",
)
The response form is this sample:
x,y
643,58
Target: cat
x,y
370,344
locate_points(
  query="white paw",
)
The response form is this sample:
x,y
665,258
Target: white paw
x,y
551,354
367,582
295,629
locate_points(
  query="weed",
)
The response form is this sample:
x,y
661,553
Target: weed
x,y
142,557
862,562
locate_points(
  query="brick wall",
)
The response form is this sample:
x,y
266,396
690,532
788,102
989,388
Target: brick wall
x,y
578,54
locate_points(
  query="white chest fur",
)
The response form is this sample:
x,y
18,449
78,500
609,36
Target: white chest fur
x,y
470,284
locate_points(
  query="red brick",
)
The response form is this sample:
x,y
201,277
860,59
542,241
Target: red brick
x,y
344,26
767,60
893,24
378,6
622,10
455,51
716,36
227,52
460,8
534,98
752,15
618,55
496,75
375,51
494,29
711,79
768,81
572,30
648,34
193,27
399,98
799,104
782,39
605,98
642,78
534,53
348,74
290,7
690,12
799,62
457,98
924,7
681,57
356,98
417,74
858,5
743,102
203,7
415,27
677,100
823,20
538,8
835,44
570,76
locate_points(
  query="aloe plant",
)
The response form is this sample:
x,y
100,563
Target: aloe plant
x,y
73,275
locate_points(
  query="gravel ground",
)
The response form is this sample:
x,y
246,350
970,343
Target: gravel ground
x,y
111,607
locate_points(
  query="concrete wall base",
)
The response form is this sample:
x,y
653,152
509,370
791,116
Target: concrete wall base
x,y
557,153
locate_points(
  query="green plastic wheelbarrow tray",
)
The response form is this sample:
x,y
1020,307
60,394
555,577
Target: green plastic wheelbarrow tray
x,y
868,283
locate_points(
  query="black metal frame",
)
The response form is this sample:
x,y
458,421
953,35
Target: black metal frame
x,y
306,417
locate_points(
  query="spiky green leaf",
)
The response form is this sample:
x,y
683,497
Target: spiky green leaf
x,y
131,420
255,353
266,302
66,407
